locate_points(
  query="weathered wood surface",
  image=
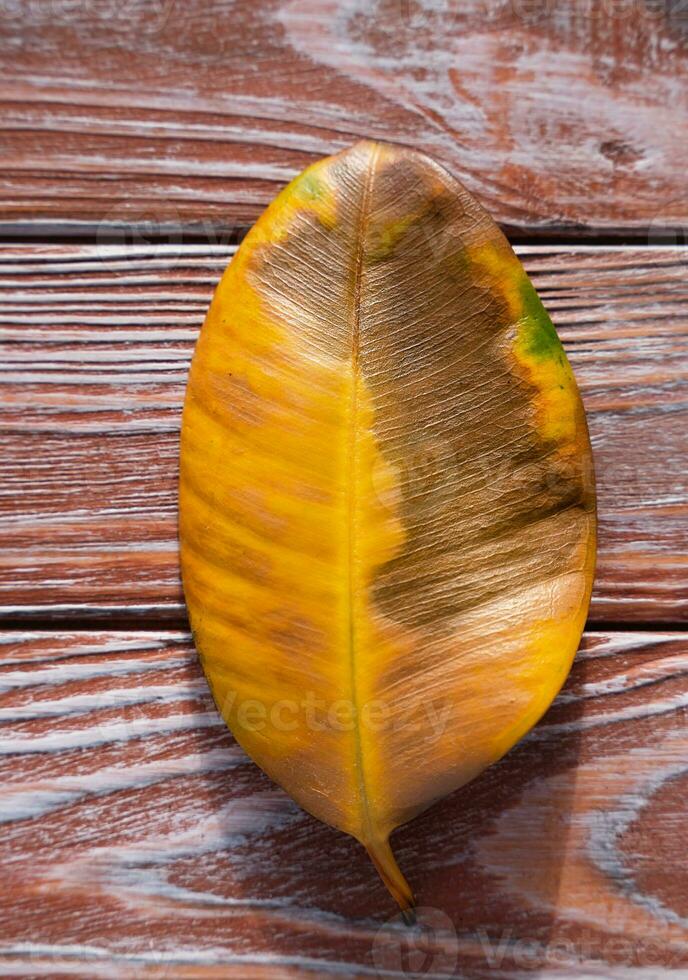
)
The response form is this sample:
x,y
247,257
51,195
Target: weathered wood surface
x,y
138,840
96,348
560,116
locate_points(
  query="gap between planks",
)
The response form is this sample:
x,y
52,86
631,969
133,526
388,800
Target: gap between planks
x,y
127,623
216,233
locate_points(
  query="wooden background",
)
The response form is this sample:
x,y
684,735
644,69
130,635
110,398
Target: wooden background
x,y
138,139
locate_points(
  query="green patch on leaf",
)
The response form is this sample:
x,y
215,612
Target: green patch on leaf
x,y
537,335
311,187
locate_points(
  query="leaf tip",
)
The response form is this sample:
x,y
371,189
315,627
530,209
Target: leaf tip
x,y
409,916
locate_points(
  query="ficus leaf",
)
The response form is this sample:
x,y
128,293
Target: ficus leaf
x,y
387,501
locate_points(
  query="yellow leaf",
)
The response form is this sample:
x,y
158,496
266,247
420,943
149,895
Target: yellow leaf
x,y
387,511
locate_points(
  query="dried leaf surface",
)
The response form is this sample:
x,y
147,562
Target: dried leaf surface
x,y
387,499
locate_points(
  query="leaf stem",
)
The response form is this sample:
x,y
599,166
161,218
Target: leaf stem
x,y
382,857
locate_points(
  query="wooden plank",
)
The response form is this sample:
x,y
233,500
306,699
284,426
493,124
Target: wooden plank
x,y
138,840
97,345
566,116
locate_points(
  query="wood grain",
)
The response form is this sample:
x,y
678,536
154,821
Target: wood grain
x,y
93,369
138,840
558,116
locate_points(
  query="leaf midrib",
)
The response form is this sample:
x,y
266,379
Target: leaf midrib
x,y
367,824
